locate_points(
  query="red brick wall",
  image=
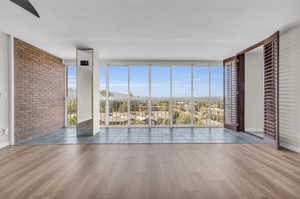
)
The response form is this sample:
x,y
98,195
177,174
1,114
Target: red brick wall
x,y
40,90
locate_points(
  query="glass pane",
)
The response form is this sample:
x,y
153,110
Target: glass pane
x,y
201,81
139,113
160,82
118,113
160,113
102,112
118,81
216,101
182,112
182,81
71,100
139,83
201,114
71,81
102,81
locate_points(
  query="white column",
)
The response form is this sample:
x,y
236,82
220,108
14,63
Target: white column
x,y
87,103
11,90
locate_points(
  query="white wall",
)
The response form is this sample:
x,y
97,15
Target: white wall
x,y
4,89
84,94
254,91
289,89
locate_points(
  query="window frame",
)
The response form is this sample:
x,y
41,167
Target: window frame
x,y
192,99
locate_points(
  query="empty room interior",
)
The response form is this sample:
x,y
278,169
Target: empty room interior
x,y
149,99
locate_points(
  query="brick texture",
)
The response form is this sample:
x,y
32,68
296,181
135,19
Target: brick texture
x,y
40,91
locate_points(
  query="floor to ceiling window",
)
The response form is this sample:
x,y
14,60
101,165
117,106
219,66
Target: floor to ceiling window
x,y
216,104
149,95
71,96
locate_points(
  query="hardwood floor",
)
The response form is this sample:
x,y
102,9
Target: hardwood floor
x,y
149,171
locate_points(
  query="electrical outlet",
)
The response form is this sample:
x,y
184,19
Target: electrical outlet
x,y
3,132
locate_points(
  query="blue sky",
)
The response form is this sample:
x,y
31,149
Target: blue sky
x,y
72,76
181,78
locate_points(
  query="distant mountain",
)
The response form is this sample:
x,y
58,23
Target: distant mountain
x,y
113,94
120,95
116,94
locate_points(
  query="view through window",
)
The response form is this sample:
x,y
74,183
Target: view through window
x,y
161,95
71,96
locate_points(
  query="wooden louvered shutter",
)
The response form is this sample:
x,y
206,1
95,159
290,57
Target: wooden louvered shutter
x,y
271,85
231,119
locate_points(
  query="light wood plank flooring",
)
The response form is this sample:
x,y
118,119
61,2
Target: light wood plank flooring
x,y
149,171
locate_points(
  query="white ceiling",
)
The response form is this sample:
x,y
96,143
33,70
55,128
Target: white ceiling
x,y
153,29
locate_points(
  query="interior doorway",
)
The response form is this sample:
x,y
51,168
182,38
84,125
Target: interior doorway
x,y
254,92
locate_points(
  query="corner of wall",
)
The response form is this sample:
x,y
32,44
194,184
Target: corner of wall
x,y
4,89
12,90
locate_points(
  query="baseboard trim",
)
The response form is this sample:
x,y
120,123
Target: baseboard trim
x,y
3,145
290,147
254,130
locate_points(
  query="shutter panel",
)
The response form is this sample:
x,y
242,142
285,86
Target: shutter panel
x,y
231,119
271,74
234,80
